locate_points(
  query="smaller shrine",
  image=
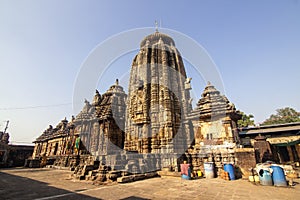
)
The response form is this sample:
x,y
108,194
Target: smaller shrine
x,y
95,132
216,136
214,119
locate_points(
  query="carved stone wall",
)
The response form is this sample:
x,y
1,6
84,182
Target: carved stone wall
x,y
156,123
214,119
98,129
158,101
53,141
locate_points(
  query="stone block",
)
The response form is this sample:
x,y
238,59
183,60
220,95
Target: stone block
x,y
34,163
138,177
125,179
151,174
113,175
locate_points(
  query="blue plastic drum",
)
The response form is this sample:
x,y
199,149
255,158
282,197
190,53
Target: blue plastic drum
x,y
230,169
265,177
209,170
278,176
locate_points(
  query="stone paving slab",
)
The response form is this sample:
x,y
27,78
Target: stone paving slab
x,y
55,184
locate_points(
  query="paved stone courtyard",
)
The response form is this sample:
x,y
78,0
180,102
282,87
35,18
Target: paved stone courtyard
x,y
56,184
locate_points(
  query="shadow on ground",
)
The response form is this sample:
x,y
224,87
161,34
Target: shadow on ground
x,y
134,198
16,187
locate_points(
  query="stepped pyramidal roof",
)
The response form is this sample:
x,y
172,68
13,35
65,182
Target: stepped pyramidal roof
x,y
212,104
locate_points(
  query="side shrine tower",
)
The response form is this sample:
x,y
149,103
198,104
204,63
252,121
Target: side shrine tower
x,y
158,99
214,119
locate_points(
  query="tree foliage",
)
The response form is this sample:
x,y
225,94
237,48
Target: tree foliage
x,y
282,116
246,120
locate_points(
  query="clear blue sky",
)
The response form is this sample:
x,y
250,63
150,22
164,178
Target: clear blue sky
x,y
255,45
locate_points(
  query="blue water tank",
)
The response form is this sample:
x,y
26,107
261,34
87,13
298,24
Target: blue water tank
x,y
230,169
265,177
278,176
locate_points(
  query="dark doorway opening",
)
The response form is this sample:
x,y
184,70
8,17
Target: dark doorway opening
x,y
55,149
284,154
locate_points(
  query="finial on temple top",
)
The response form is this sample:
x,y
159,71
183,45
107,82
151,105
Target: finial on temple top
x,y
156,26
117,81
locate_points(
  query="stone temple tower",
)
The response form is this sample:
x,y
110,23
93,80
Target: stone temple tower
x,y
158,99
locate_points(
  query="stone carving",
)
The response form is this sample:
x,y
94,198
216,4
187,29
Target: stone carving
x,y
188,84
97,124
4,138
158,102
215,117
156,121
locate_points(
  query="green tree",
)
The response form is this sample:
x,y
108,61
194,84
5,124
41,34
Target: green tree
x,y
246,120
282,116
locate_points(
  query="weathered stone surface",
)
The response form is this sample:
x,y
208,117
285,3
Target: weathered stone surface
x,y
158,101
214,119
32,163
136,177
13,155
4,137
125,179
245,160
168,173
97,129
263,150
155,127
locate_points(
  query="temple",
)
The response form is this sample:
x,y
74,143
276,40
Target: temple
x,y
214,119
97,130
152,128
158,101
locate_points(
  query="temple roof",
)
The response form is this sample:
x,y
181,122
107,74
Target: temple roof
x,y
103,105
48,133
113,98
59,131
110,105
87,112
212,103
155,37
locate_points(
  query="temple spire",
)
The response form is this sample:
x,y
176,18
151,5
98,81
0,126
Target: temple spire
x,y
156,26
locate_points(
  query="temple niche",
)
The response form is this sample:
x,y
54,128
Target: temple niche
x,y
158,100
